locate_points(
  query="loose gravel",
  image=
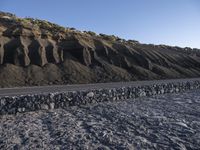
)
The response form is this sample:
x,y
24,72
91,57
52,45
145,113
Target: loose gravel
x,y
170,121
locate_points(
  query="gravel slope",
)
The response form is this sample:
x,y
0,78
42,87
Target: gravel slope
x,y
170,121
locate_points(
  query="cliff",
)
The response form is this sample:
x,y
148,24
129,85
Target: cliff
x,y
37,52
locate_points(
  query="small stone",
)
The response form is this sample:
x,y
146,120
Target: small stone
x,y
90,94
19,110
44,106
104,95
52,105
177,90
143,93
23,109
3,102
162,91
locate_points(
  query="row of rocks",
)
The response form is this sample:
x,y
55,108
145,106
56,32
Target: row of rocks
x,y
26,103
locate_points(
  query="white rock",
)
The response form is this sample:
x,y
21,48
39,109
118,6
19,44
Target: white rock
x,y
162,91
90,94
6,17
44,106
143,93
52,105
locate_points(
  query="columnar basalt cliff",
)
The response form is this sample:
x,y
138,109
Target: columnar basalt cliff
x,y
35,52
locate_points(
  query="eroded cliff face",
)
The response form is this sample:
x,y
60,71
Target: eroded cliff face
x,y
41,53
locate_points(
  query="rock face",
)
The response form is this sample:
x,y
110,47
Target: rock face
x,y
35,52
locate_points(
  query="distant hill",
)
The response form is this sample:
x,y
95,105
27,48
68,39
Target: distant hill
x,y
37,52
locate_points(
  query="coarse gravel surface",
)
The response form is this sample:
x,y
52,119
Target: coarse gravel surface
x,y
170,121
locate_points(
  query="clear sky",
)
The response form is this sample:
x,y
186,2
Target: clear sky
x,y
172,22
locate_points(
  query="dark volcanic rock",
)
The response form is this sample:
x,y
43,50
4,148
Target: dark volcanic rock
x,y
31,45
26,103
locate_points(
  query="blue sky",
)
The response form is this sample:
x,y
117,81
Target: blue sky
x,y
171,22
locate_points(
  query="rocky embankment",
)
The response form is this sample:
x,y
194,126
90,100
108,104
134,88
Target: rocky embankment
x,y
26,103
36,52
